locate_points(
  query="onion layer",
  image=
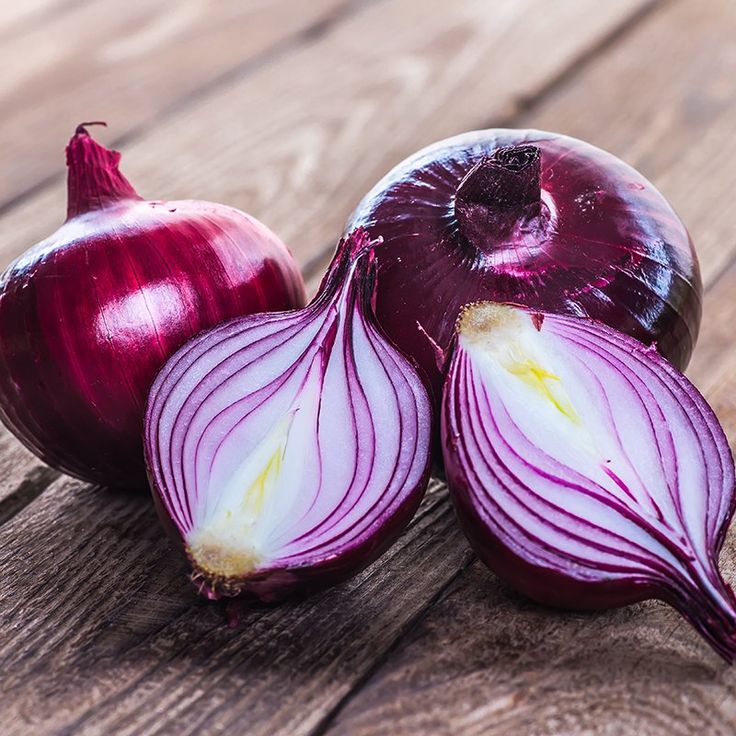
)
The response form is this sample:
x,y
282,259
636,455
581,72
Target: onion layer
x,y
585,469
532,218
289,450
88,316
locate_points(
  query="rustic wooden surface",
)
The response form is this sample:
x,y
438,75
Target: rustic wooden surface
x,y
291,110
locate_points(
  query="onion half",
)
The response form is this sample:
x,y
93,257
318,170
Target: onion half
x,y
289,450
585,469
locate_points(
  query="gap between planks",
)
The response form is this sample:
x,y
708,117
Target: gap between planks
x,y
326,722
28,490
521,106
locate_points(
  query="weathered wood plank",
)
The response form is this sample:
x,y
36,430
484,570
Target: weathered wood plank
x,y
22,476
96,609
485,661
128,63
668,109
24,479
298,142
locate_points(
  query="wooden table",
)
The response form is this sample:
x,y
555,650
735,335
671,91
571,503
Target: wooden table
x,y
291,110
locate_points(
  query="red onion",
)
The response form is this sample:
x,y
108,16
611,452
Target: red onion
x,y
89,315
287,451
585,469
532,218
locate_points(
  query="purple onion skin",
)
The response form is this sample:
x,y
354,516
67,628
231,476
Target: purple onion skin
x,y
603,243
274,586
543,585
707,602
563,592
89,315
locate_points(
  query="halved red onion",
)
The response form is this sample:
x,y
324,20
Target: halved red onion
x,y
585,469
290,449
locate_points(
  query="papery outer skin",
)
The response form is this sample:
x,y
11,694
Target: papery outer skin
x,y
574,588
646,282
276,580
89,315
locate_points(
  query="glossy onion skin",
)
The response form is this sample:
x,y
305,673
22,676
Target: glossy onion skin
x,y
88,316
518,502
615,250
237,382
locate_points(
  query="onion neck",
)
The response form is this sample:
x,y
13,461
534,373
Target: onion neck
x,y
94,180
500,197
708,603
352,267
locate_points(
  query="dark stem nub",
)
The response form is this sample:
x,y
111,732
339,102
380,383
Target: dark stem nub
x,y
500,195
94,180
82,127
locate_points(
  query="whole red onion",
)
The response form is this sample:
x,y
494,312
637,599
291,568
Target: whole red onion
x,y
534,218
89,315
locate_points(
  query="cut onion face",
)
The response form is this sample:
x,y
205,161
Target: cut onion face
x,y
585,469
290,449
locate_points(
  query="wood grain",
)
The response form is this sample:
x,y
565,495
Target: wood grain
x,y
103,634
299,141
142,60
22,475
669,109
485,661
675,123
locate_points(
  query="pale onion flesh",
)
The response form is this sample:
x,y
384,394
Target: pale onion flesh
x,y
586,470
288,450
